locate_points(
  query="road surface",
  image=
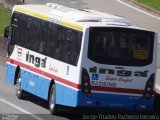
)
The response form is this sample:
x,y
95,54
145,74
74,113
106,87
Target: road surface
x,y
36,109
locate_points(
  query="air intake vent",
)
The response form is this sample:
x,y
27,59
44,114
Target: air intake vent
x,y
120,22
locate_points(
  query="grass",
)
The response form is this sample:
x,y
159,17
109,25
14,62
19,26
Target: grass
x,y
5,17
155,4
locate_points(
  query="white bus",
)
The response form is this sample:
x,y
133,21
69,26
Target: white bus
x,y
81,58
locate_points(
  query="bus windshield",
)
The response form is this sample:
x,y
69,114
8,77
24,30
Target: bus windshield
x,y
120,46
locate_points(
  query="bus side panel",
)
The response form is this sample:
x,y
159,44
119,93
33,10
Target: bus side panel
x,y
35,84
44,87
25,76
39,87
66,96
29,82
59,93
10,73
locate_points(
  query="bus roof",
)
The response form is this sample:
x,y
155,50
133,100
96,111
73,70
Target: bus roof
x,y
70,17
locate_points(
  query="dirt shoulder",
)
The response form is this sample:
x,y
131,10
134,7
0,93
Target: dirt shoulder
x,y
3,46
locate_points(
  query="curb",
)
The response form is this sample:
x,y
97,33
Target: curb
x,y
145,7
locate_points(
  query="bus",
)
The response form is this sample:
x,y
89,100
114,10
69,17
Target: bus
x,y
81,58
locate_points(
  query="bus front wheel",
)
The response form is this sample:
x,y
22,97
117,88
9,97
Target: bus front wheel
x,y
53,107
19,91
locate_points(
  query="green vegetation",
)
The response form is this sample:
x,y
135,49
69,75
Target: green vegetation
x,y
5,16
155,4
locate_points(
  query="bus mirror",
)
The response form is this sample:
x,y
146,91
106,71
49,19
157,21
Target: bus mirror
x,y
7,31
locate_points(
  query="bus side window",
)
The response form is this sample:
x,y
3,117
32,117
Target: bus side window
x,y
68,46
30,29
76,46
35,33
43,37
63,44
25,31
71,47
52,38
15,28
18,26
58,44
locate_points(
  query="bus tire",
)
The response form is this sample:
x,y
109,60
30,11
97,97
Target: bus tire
x,y
156,108
53,107
19,91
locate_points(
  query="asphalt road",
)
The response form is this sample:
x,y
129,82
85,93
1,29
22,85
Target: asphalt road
x,y
34,108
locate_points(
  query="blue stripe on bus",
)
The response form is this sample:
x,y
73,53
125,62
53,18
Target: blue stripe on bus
x,y
115,101
70,97
31,82
35,84
10,74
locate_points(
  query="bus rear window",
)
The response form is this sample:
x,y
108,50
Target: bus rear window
x,y
120,46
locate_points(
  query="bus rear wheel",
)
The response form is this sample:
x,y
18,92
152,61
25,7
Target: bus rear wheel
x,y
53,107
156,109
19,91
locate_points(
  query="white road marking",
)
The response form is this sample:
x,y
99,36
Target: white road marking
x,y
153,16
20,109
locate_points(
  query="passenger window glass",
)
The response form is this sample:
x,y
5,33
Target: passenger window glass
x,y
120,46
47,38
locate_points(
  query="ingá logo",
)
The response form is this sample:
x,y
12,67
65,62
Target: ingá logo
x,y
19,52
